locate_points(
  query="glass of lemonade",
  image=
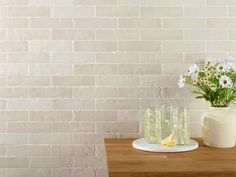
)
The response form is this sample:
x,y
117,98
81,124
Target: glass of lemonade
x,y
166,120
180,125
152,125
161,122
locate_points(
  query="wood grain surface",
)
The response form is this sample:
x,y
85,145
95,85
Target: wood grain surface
x,y
125,161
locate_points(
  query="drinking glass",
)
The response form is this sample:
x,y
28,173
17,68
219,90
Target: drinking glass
x,y
152,125
166,121
180,127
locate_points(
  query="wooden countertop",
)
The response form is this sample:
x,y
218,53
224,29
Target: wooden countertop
x,y
125,161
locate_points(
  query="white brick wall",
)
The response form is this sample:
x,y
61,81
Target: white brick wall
x,y
73,72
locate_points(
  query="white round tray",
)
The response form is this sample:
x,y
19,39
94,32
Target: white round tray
x,y
141,144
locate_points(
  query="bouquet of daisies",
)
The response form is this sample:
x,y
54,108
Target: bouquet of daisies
x,y
215,81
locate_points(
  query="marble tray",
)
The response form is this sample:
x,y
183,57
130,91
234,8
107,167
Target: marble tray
x,y
141,144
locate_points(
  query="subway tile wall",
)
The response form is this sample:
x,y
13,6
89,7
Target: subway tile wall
x,y
73,72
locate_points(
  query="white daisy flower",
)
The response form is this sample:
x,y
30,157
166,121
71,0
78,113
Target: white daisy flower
x,y
230,59
193,70
231,63
220,68
233,68
209,63
225,82
181,82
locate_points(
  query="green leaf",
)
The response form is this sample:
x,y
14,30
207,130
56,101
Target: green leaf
x,y
199,97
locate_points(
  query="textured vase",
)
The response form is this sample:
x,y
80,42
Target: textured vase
x,y
219,127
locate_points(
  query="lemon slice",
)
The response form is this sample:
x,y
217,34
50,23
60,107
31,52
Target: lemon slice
x,y
169,141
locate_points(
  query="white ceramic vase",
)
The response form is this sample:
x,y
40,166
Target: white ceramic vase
x,y
219,127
